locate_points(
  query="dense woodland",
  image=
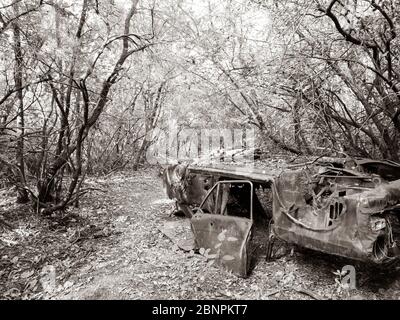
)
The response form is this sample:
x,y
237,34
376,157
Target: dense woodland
x,y
83,84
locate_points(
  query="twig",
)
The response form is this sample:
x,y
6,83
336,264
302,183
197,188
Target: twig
x,y
309,293
273,293
305,163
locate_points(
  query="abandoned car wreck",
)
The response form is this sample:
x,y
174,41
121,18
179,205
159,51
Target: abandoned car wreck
x,y
346,207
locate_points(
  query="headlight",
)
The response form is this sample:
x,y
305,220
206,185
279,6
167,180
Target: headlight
x,y
377,223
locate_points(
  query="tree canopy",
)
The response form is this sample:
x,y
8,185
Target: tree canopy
x,y
84,84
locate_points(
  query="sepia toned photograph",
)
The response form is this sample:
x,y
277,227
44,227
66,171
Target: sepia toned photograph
x,y
225,151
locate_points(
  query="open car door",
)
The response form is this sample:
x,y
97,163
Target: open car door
x,y
223,223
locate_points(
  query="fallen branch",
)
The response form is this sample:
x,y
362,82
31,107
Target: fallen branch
x,y
273,293
299,290
309,293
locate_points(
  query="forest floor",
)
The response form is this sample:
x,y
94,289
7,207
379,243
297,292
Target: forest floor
x,y
111,248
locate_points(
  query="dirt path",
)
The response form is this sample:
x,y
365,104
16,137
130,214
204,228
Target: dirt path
x,y
136,261
144,264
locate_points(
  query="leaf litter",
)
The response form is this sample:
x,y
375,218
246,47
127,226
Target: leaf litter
x,y
111,248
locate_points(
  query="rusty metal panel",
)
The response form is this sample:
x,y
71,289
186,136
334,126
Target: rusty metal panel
x,y
237,172
186,188
383,196
225,239
299,221
347,207
388,170
338,222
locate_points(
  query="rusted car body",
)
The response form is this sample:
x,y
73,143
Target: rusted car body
x,y
344,207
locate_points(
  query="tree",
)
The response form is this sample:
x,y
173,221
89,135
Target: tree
x,y
18,75
74,145
73,65
338,64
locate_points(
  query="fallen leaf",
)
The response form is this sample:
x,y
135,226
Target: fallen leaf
x,y
210,263
27,274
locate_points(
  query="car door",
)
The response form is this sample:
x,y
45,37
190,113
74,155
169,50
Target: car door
x,y
222,225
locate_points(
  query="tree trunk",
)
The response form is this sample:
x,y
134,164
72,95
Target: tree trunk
x,y
139,156
19,153
299,139
89,120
